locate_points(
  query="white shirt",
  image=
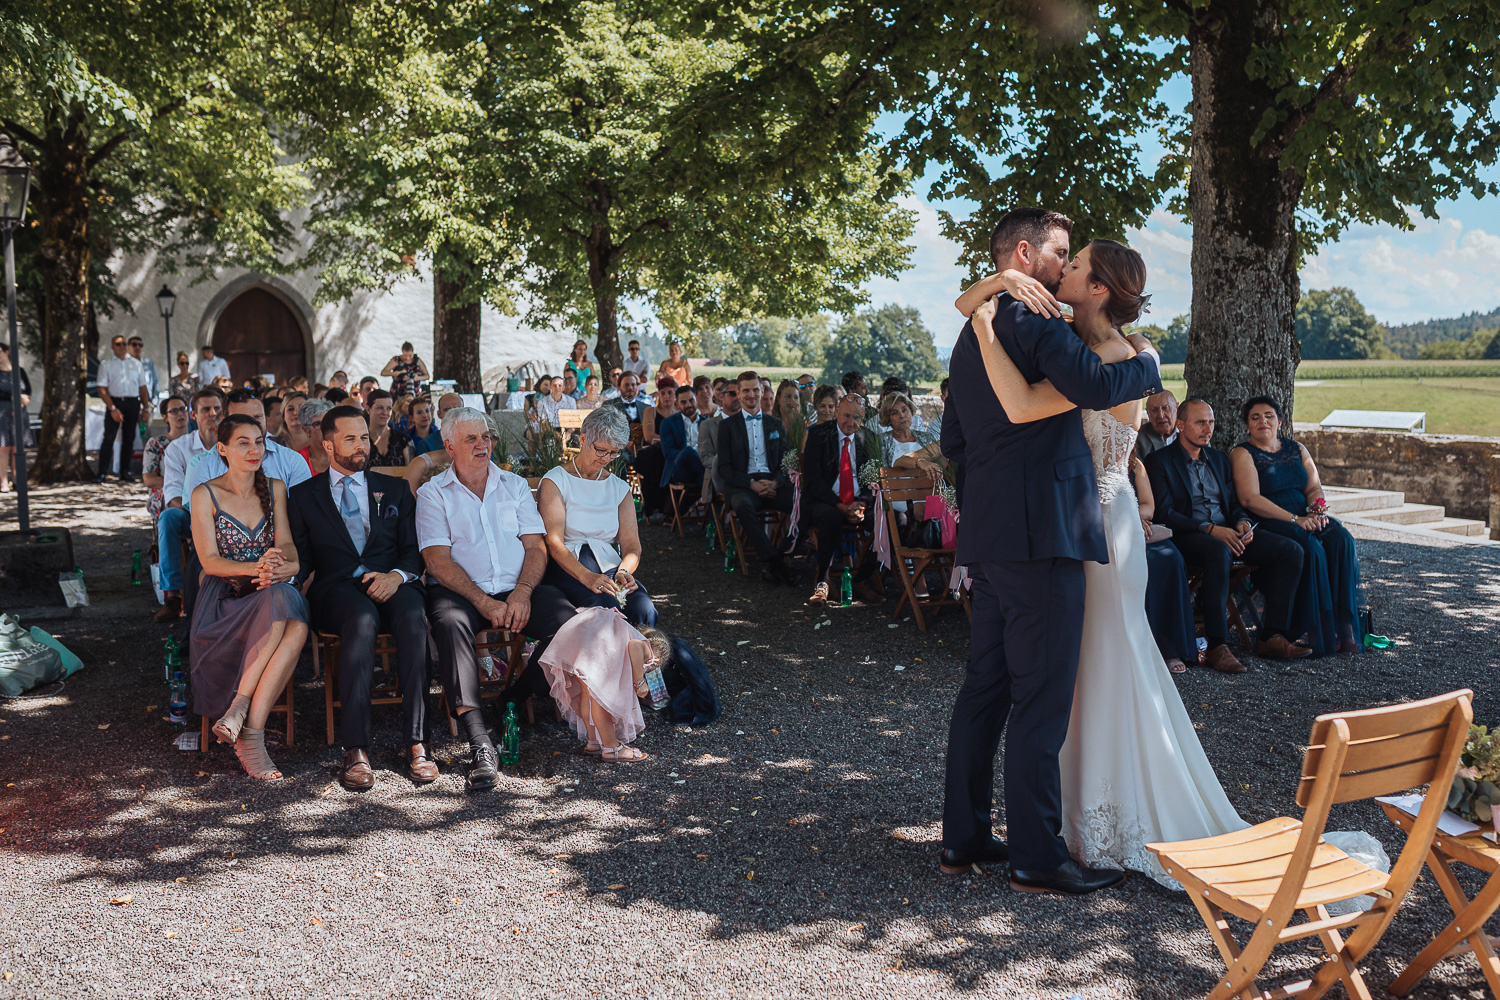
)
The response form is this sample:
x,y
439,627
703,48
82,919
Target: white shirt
x,y
691,429
124,378
175,462
591,514
153,381
640,366
848,440
362,498
211,368
483,533
755,433
547,407
279,463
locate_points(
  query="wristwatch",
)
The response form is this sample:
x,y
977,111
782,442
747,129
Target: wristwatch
x,y
1207,527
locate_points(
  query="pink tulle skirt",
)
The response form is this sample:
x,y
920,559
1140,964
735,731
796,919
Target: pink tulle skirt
x,y
592,652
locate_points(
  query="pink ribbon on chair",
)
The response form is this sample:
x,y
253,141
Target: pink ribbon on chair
x,y
796,477
936,509
881,540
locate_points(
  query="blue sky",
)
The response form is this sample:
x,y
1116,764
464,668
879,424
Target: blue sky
x,y
1442,267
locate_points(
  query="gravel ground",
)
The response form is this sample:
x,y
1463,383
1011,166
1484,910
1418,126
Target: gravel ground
x,y
786,851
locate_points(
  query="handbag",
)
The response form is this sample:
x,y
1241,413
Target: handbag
x,y
240,586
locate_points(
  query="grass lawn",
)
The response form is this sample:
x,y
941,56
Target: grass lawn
x,y
1453,405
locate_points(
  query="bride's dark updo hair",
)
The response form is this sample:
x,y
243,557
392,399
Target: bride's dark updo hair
x,y
1123,272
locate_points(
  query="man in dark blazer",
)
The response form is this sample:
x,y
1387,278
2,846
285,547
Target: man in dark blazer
x,y
356,533
833,497
679,441
751,447
1031,518
1195,497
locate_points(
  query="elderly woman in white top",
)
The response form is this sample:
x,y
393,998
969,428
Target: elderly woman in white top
x,y
591,528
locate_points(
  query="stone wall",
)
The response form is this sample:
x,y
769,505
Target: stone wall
x,y
1451,470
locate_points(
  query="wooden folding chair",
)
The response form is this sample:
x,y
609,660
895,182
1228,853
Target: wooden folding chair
x,y
681,505
775,523
570,425
283,705
1265,874
1238,573
505,651
911,563
385,685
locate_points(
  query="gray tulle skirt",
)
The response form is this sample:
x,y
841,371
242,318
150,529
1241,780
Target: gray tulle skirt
x,y
225,636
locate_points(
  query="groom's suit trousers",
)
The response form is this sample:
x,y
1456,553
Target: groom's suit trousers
x,y
1023,659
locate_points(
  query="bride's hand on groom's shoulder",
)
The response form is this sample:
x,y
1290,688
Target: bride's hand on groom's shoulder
x,y
1138,341
1031,293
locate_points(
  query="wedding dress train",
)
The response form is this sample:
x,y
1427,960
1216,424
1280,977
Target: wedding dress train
x,y
1133,771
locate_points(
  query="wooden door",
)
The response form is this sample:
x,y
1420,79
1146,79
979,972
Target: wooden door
x,y
258,333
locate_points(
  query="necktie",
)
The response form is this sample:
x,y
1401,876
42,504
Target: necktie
x,y
349,510
846,475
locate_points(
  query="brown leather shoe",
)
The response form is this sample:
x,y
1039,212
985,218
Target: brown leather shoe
x,y
356,774
1348,646
868,593
1222,660
1279,647
420,768
171,608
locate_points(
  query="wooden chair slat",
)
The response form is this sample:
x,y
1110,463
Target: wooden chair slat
x,y
1276,846
1377,723
1383,751
1258,831
1387,781
1248,871
1336,871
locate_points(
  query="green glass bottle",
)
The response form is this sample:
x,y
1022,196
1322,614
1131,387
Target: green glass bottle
x,y
135,568
729,554
510,736
846,588
708,533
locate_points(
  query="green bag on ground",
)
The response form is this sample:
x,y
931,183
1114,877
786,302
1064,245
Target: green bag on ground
x,y
24,662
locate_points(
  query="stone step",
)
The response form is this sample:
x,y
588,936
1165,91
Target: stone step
x,y
1460,526
1347,500
1407,513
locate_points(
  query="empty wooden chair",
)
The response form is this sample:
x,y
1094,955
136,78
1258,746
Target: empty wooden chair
x,y
570,425
1267,874
912,563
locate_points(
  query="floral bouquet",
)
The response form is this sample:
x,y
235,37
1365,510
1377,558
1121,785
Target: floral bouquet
x,y
869,473
1475,794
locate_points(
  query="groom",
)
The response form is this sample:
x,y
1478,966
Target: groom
x,y
1026,560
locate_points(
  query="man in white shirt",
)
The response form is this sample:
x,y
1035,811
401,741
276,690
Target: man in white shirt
x,y
482,538
122,386
279,462
679,442
636,364
137,348
547,406
175,523
210,367
571,388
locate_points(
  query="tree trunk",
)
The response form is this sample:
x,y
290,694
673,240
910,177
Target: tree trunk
x,y
455,329
602,255
1243,340
63,208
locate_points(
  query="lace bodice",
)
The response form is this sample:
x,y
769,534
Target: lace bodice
x,y
1111,444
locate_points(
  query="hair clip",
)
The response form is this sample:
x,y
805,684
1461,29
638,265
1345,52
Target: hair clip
x,y
1145,303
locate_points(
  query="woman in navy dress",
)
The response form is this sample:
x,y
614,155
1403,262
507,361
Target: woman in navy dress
x,y
1169,602
1278,483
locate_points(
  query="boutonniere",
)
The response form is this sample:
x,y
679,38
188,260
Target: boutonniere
x,y
379,495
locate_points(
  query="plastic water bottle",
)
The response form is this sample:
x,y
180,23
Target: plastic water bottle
x,y
1373,641
510,736
708,533
658,685
178,701
135,568
846,588
729,554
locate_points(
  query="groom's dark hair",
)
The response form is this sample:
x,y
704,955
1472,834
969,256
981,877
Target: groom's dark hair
x,y
1029,224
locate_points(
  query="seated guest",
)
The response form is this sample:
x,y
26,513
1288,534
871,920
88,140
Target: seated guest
x,y
293,435
184,384
907,445
335,396
1169,601
277,462
1195,497
649,461
596,670
708,439
703,395
174,524
425,435
826,404
367,385
553,401
663,406
679,442
631,403
853,384
482,541
788,408
271,401
676,366
592,534
806,387
612,391
339,380
389,448
899,386
448,402
356,534
1278,483
832,496
250,621
590,400
175,412
1160,428
751,446
310,416
572,388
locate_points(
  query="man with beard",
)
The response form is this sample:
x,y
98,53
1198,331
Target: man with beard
x,y
356,531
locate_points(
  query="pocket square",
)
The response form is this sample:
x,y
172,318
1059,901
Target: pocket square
x,y
775,435
390,513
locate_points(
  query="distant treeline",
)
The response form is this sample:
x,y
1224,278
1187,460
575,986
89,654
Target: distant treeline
x,y
1409,339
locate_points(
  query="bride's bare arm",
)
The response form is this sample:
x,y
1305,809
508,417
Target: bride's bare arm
x,y
1023,402
1022,287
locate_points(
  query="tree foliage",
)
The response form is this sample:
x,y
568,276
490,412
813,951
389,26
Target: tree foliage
x,y
1171,342
880,343
1334,325
1408,339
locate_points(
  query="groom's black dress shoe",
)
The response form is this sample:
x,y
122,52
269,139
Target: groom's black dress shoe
x,y
952,862
1072,879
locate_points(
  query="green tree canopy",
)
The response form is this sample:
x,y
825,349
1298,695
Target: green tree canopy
x,y
1333,324
880,343
1171,343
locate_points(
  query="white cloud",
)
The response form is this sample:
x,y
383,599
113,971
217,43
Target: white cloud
x,y
933,280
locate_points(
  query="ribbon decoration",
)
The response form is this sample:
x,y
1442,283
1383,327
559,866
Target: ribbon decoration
x,y
881,540
796,476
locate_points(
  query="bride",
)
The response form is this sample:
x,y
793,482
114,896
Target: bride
x,y
1133,772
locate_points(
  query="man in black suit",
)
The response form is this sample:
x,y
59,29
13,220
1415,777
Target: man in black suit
x,y
1195,497
750,449
832,496
356,530
1030,520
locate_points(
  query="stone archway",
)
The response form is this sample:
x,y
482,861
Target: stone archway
x,y
258,333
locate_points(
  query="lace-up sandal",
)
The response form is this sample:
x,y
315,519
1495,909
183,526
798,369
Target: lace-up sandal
x,y
622,754
250,748
227,729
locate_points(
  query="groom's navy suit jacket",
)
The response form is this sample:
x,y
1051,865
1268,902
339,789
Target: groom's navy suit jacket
x,y
1034,483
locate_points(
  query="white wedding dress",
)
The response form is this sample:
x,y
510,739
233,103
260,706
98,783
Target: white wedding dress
x,y
1133,771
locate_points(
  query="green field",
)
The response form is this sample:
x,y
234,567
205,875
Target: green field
x,y
1453,405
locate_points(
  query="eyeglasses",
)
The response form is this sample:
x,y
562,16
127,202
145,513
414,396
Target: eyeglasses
x,y
605,454
173,411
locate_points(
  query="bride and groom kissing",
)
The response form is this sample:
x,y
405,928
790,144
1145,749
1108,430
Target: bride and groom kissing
x,y
1044,414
